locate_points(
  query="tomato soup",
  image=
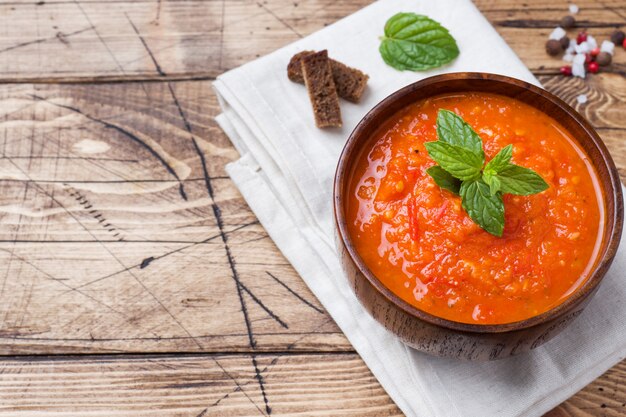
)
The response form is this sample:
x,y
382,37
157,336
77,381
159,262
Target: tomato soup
x,y
419,241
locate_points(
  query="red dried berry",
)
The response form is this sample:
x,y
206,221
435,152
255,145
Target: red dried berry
x,y
595,51
588,58
566,70
582,37
624,44
593,67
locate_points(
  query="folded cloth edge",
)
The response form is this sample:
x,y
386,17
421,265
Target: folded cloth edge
x,y
246,170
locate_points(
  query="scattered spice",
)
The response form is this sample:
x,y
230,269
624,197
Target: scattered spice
x,y
617,37
568,22
583,51
557,33
582,99
578,66
582,48
607,46
603,59
553,47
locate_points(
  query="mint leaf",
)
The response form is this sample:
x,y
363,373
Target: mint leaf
x,y
459,153
460,162
444,179
500,161
485,209
452,129
493,183
417,43
515,179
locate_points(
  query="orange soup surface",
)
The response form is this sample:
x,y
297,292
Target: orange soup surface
x,y
417,239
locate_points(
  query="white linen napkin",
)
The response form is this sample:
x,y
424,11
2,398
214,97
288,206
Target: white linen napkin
x,y
285,174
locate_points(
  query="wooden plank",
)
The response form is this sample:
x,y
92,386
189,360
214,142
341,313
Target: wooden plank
x,y
221,385
137,297
147,39
109,232
90,40
83,39
606,96
227,385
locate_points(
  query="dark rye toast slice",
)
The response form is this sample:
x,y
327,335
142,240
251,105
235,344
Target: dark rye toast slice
x,y
318,79
350,82
294,68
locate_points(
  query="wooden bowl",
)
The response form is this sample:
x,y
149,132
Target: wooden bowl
x,y
442,337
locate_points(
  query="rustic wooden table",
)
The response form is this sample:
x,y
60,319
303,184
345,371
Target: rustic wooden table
x,y
134,280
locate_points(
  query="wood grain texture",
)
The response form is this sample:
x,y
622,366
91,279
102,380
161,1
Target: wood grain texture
x,y
221,385
74,41
121,232
225,385
121,250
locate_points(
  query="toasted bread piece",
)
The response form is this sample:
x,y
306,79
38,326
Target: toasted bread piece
x,y
294,68
350,82
318,78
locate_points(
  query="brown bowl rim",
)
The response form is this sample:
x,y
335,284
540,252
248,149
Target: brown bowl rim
x,y
611,185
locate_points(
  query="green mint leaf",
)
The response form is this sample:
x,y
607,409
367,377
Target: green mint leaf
x,y
500,161
493,182
515,179
484,209
459,153
444,179
452,129
417,43
460,162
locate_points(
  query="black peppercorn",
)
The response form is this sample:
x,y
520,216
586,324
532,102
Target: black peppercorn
x,y
603,59
568,22
553,47
617,37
